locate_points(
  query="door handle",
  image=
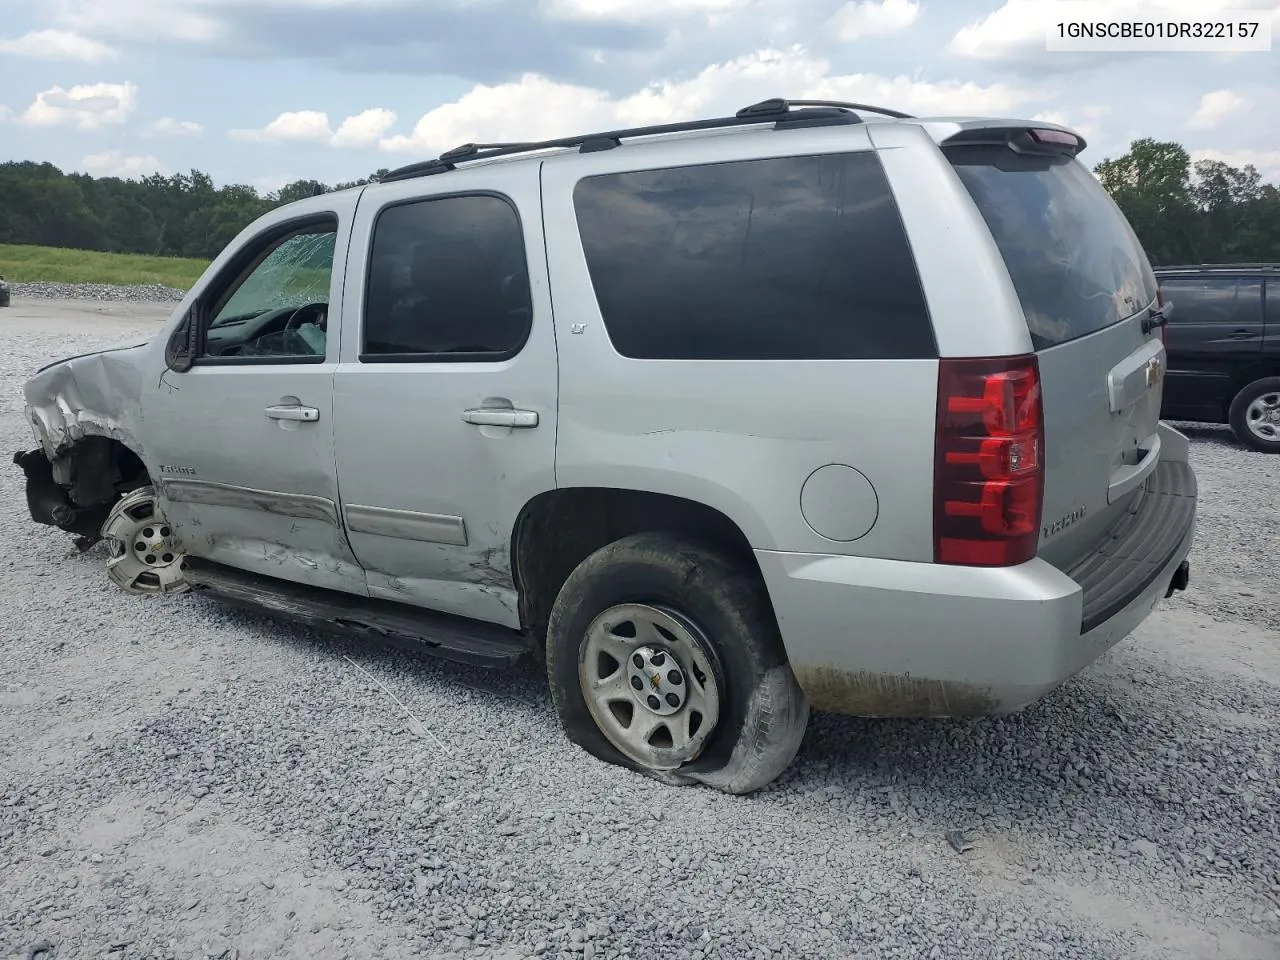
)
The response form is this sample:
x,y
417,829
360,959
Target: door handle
x,y
293,411
1241,334
500,417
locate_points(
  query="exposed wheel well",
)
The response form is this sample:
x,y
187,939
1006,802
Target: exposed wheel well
x,y
76,490
559,529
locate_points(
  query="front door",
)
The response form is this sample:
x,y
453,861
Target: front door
x,y
445,399
241,444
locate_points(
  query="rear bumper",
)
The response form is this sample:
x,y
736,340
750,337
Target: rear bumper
x,y
874,637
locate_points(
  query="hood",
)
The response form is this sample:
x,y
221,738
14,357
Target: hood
x,y
132,345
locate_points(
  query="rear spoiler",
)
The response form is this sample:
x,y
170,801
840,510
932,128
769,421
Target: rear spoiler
x,y
1046,141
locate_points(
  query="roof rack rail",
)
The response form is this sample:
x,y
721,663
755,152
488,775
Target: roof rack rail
x,y
777,110
779,105
1215,266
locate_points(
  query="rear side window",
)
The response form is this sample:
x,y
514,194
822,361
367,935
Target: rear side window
x,y
1075,262
1225,300
781,259
447,280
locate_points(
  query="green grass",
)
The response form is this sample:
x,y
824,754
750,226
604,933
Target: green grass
x,y
57,265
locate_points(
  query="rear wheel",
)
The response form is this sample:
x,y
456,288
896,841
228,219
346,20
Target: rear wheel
x,y
1255,415
143,555
664,656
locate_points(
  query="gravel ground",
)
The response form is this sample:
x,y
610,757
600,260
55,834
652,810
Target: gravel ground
x,y
180,780
96,292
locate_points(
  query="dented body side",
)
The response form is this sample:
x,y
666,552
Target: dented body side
x,y
200,436
92,395
85,414
394,491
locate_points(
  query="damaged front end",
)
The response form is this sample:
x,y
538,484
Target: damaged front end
x,y
83,412
75,492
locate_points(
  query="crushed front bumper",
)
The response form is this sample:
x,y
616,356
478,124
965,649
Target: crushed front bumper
x,y
48,502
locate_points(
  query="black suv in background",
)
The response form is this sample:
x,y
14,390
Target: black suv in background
x,y
1223,343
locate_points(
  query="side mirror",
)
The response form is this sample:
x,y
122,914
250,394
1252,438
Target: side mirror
x,y
184,344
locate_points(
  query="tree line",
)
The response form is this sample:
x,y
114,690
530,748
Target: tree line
x,y
1206,212
183,215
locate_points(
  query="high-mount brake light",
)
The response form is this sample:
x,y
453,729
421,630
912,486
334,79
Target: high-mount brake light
x,y
1056,136
988,475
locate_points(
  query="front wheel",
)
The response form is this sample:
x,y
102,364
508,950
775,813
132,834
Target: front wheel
x,y
143,556
1255,415
664,656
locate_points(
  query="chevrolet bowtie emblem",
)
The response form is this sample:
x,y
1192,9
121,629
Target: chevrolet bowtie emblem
x,y
1155,371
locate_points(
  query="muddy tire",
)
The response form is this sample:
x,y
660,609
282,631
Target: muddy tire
x,y
664,656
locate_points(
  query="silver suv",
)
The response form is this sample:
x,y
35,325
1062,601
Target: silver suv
x,y
818,405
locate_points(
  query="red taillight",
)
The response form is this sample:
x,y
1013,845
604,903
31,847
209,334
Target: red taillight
x,y
988,475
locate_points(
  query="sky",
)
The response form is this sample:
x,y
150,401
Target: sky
x,y
264,92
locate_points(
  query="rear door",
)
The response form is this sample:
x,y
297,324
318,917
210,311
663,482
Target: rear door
x,y
445,397
1085,286
1215,327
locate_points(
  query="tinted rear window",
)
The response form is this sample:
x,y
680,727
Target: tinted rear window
x,y
1074,260
448,280
790,258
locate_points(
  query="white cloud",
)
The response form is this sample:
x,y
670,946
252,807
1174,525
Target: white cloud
x,y
85,107
1215,107
1267,162
113,163
364,129
169,127
58,45
5,113
637,11
304,126
535,107
1005,32
859,19
1016,30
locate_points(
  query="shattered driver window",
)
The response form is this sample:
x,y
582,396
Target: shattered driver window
x,y
280,307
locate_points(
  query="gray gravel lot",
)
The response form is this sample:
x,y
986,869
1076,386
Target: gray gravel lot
x,y
97,293
181,780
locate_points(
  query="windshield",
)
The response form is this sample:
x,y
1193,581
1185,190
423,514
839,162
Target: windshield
x,y
1075,262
